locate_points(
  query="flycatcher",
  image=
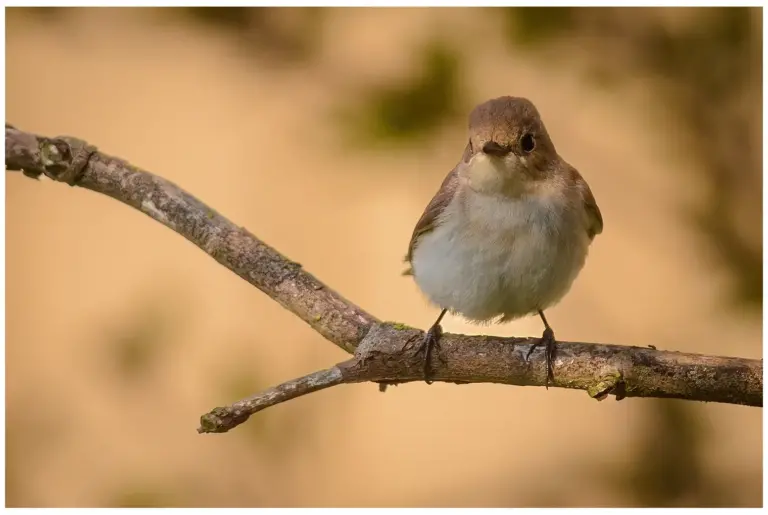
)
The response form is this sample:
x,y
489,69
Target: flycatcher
x,y
509,229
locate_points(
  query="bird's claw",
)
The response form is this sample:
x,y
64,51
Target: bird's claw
x,y
548,339
430,342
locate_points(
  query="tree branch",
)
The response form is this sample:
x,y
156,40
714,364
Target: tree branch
x,y
75,162
389,355
383,352
220,420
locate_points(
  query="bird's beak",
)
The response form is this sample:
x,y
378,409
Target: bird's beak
x,y
494,149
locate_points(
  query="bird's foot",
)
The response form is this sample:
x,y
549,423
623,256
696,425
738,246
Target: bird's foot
x,y
431,342
548,339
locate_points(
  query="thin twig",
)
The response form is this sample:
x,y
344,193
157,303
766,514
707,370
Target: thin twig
x,y
384,353
220,420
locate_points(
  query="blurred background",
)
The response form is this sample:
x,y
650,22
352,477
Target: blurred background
x,y
325,132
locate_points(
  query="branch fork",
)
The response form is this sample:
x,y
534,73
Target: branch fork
x,y
385,353
387,356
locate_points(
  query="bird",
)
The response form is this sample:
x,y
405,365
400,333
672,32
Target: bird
x,y
509,229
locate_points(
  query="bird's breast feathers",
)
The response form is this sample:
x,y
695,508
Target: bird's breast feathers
x,y
491,255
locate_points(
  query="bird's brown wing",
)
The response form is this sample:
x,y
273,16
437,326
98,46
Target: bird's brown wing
x,y
593,213
430,218
594,217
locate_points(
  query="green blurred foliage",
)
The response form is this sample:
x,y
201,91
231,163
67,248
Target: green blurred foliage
x,y
44,13
284,36
137,344
232,18
276,36
411,109
666,468
143,495
531,25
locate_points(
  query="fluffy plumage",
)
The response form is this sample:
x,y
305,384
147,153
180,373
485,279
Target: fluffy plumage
x,y
509,230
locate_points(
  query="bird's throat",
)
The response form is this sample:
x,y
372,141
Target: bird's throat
x,y
492,176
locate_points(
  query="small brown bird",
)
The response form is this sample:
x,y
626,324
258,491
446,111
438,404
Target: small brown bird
x,y
509,229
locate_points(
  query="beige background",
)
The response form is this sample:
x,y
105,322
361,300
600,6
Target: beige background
x,y
86,274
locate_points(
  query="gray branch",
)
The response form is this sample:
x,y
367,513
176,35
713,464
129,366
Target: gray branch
x,y
220,420
383,352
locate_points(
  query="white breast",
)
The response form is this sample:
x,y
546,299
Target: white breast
x,y
493,256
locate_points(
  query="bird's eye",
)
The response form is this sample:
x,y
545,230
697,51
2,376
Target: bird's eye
x,y
527,143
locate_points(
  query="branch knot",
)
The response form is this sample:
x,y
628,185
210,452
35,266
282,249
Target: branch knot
x,y
64,158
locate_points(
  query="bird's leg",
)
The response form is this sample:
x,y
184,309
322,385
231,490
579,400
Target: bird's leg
x,y
431,339
548,339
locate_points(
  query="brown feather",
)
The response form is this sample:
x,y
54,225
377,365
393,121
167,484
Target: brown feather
x,y
443,197
593,212
430,218
595,218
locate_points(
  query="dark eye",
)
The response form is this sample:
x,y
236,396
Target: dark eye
x,y
527,143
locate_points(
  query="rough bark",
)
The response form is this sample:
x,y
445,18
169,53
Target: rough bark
x,y
385,353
